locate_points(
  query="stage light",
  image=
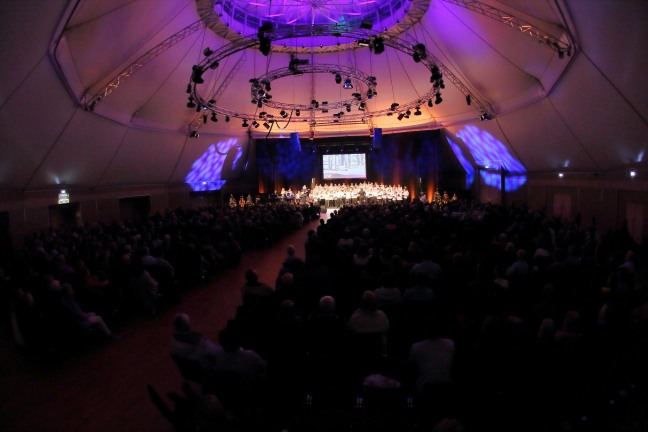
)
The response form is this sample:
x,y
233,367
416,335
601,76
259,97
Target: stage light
x,y
227,119
436,74
437,99
347,83
561,175
362,106
191,103
194,134
468,99
418,111
245,123
266,125
204,118
188,88
348,108
196,75
260,104
297,112
400,116
430,104
214,118
283,113
370,94
379,45
632,174
338,78
262,114
207,52
393,106
255,124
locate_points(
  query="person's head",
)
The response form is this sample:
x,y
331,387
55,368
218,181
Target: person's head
x,y
327,305
181,323
251,276
290,250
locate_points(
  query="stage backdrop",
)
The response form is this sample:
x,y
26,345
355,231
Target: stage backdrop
x,y
420,161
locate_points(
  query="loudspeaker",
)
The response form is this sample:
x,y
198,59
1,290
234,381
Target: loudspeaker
x,y
294,141
377,138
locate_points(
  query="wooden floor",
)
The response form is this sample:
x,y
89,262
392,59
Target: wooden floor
x,y
104,388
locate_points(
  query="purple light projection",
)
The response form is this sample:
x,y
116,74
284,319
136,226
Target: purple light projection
x,y
465,163
207,171
491,153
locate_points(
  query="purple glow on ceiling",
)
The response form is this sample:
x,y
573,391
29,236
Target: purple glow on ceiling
x,y
465,163
247,17
206,171
490,153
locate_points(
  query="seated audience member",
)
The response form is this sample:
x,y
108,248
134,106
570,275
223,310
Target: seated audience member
x,y
433,358
188,343
233,358
325,330
86,320
420,292
427,267
368,318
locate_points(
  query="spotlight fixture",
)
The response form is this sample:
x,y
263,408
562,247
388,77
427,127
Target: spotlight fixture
x,y
437,99
417,57
393,106
207,52
348,108
227,119
262,114
485,116
214,118
283,114
191,103
632,173
255,124
194,134
267,86
347,83
260,104
204,118
418,111
245,123
436,74
266,125
362,106
379,45
189,88
196,75
561,175
400,116
370,94
468,99
338,78
297,112
430,104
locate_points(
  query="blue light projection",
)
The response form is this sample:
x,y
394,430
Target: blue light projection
x,y
285,157
212,170
465,163
490,152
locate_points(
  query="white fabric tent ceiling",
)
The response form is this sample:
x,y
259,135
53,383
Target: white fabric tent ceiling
x,y
584,112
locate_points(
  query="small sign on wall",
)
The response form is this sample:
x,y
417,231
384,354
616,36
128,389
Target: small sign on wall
x,y
63,197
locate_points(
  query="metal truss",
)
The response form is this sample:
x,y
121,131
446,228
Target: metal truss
x,y
375,40
199,119
142,61
509,20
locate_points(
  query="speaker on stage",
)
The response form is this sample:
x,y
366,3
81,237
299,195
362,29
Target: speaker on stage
x,y
377,138
295,144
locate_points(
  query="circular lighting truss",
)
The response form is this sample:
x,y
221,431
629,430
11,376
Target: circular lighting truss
x,y
260,86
